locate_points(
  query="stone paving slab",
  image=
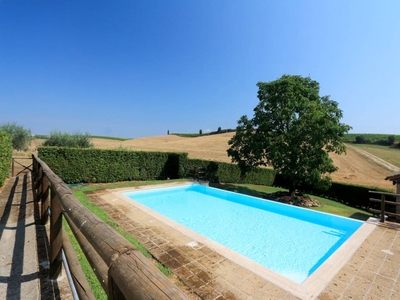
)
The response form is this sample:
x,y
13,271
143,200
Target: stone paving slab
x,y
371,273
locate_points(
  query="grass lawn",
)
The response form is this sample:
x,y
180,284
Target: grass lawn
x,y
329,206
391,155
79,193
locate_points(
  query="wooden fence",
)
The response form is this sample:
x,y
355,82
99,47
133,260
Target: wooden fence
x,y
383,212
122,270
21,165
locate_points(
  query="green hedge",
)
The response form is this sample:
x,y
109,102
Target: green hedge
x,y
5,156
226,172
356,195
75,165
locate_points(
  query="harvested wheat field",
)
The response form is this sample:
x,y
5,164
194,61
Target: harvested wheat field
x,y
354,167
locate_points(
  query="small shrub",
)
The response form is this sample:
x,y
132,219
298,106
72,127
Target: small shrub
x,y
76,140
360,139
21,137
391,140
5,155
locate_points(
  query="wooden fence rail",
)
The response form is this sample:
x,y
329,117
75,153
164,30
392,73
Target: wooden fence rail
x,y
383,212
122,270
17,163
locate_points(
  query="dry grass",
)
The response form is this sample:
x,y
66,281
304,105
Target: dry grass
x,y
391,155
353,167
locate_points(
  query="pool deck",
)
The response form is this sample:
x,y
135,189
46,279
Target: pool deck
x,y
372,272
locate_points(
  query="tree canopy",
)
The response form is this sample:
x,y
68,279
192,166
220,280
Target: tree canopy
x,y
21,137
293,130
64,139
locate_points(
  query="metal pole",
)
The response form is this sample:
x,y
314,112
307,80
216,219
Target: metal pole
x,y
70,280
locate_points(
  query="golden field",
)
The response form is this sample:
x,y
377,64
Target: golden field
x,y
354,167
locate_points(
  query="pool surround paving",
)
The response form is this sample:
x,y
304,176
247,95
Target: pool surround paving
x,y
211,273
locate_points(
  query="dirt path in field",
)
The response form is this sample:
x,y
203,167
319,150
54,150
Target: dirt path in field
x,y
356,167
379,161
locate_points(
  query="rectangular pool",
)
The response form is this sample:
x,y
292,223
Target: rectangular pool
x,y
291,241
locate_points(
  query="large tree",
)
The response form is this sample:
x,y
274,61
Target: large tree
x,y
21,137
293,130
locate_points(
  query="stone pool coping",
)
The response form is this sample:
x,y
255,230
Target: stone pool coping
x,y
211,274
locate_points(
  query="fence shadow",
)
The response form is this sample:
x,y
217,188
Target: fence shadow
x,y
16,236
19,232
49,289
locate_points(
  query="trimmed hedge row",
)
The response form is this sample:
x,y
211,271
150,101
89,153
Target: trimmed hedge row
x,y
226,172
5,156
98,165
75,165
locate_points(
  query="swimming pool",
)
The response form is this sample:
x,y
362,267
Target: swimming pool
x,y
291,241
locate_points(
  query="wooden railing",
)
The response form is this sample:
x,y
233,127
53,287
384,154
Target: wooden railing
x,y
383,212
122,270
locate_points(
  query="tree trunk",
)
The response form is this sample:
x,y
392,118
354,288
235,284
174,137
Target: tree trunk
x,y
292,190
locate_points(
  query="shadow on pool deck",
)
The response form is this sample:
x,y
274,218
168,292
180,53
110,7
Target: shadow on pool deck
x,y
371,273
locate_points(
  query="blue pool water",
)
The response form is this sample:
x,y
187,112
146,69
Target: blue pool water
x,y
289,240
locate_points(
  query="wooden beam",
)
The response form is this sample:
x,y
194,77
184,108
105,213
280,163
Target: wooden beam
x,y
99,267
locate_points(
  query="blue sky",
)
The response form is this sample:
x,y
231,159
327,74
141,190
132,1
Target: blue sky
x,y
139,68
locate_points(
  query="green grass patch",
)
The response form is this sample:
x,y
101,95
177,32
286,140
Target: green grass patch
x,y
94,283
40,136
99,212
117,185
110,138
248,189
340,209
189,135
328,206
79,193
389,154
370,138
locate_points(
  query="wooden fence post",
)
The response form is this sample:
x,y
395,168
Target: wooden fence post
x,y
56,240
34,170
45,189
382,208
38,183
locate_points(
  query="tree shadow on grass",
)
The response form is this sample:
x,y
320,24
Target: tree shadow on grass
x,y
247,191
360,216
239,189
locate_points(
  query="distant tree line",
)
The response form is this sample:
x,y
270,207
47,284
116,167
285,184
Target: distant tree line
x,y
218,131
375,139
